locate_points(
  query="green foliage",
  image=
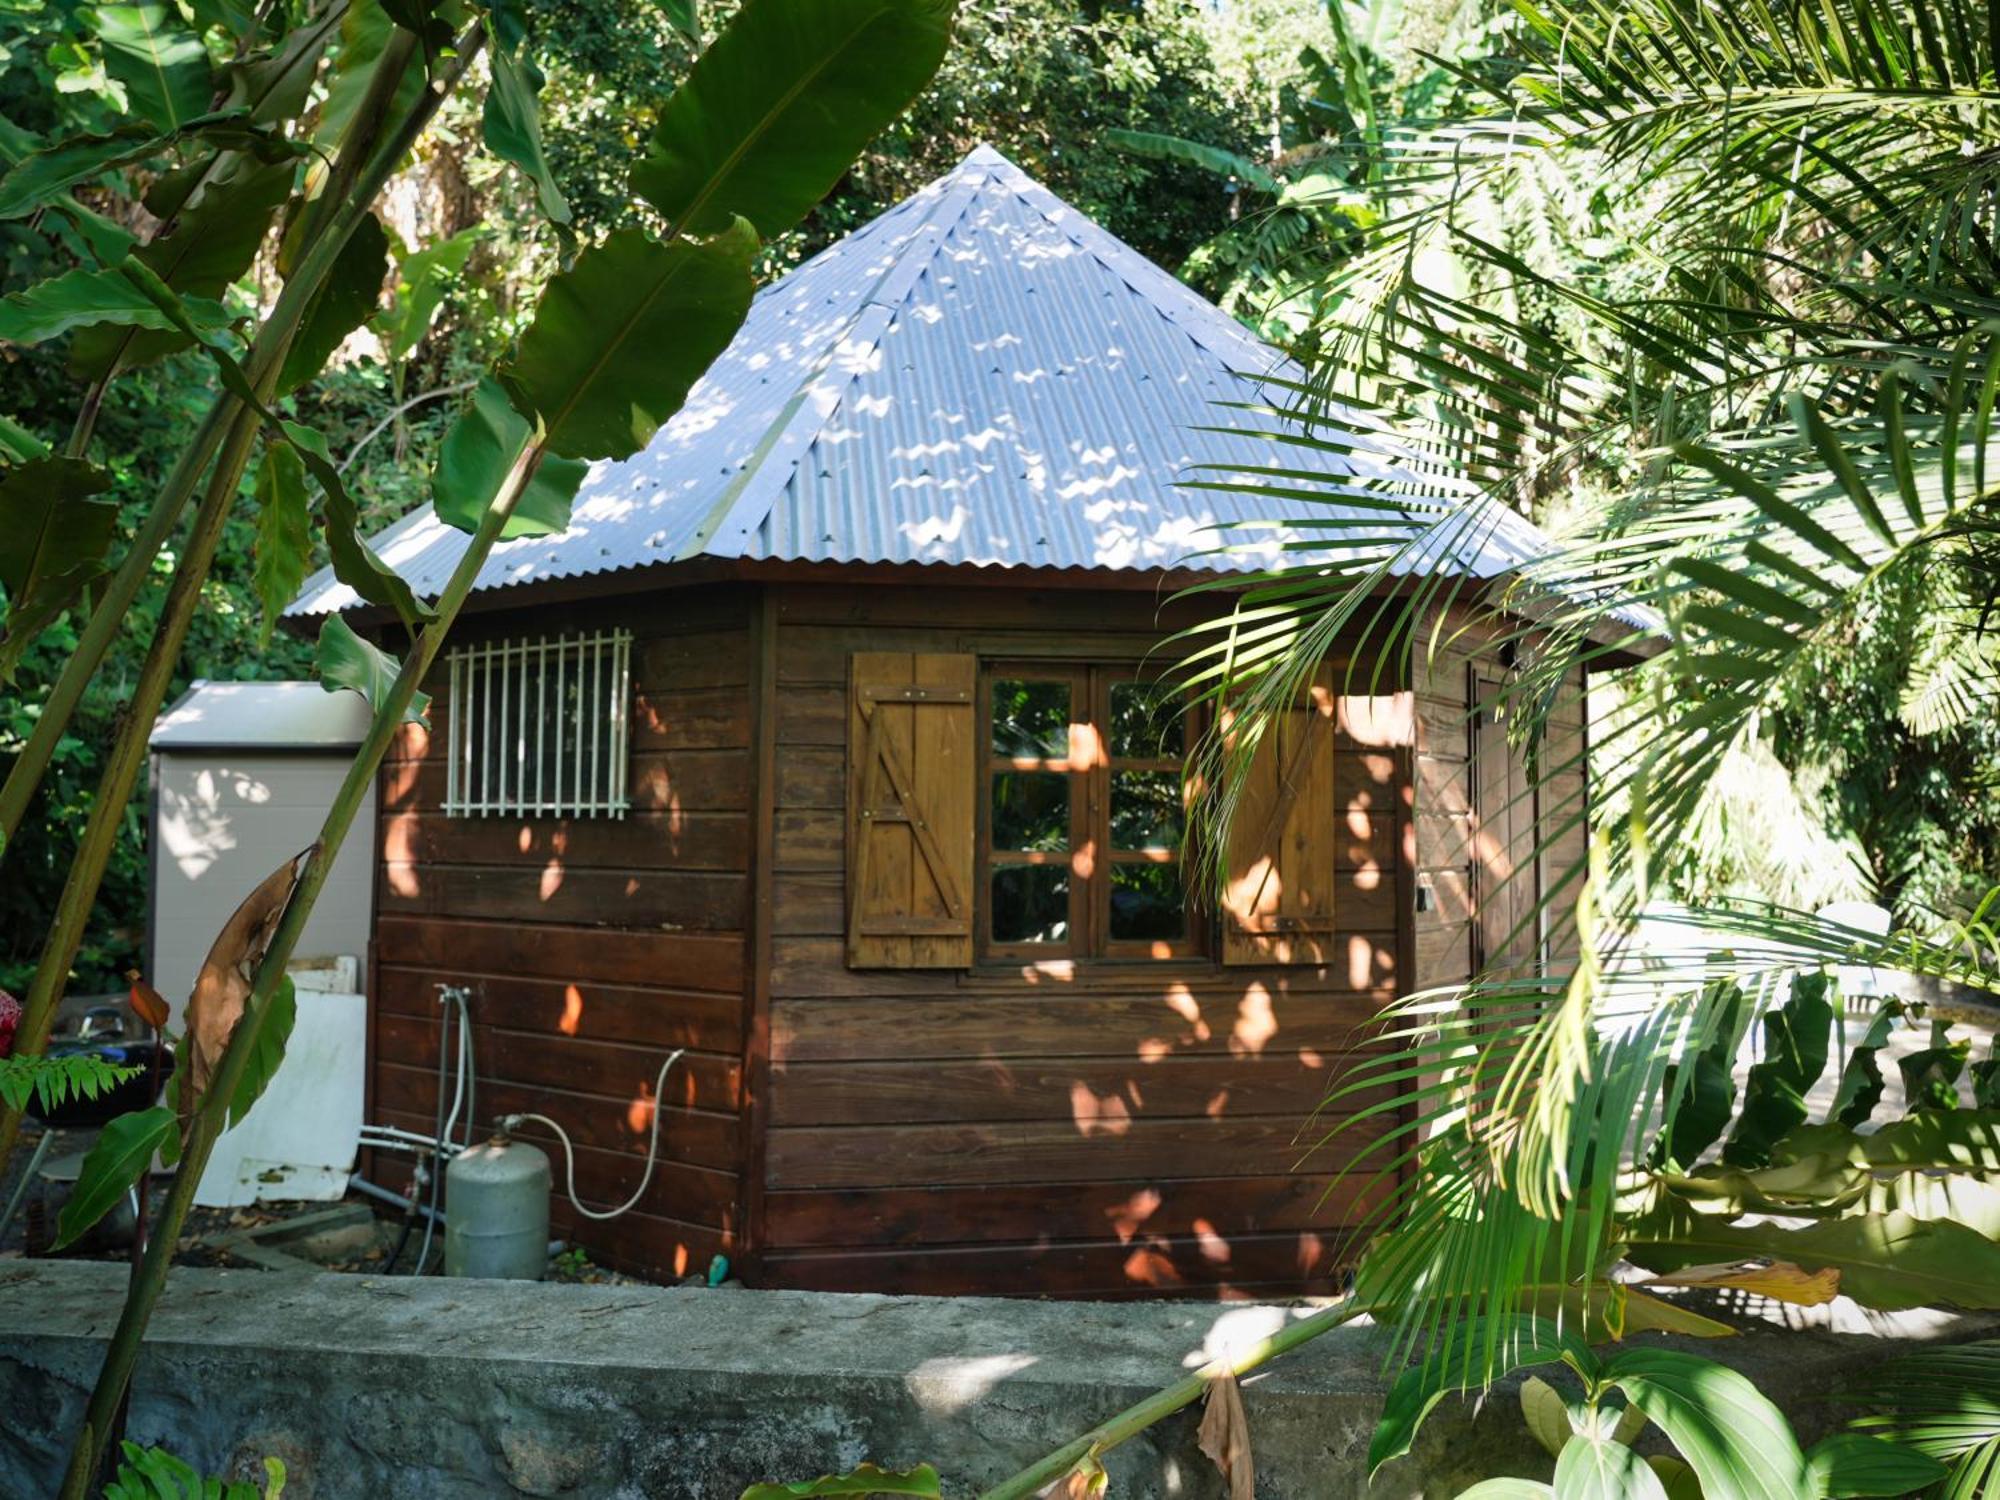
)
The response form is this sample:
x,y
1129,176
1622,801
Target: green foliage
x,y
345,660
53,535
1945,1404
123,1151
727,144
618,340
162,65
275,1020
49,1081
482,445
155,1474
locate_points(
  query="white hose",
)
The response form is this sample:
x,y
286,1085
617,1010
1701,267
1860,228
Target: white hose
x,y
511,1122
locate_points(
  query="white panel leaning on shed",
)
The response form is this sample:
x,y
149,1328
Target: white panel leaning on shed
x,y
980,376
242,775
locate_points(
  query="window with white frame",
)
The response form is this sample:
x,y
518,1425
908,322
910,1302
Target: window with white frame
x,y
539,727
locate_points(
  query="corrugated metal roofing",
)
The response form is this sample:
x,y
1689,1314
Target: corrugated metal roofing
x,y
980,376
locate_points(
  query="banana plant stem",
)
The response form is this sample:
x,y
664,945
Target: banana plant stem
x,y
129,749
110,616
127,755
151,1278
273,339
1135,1419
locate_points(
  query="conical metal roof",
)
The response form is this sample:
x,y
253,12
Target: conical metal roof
x,y
979,376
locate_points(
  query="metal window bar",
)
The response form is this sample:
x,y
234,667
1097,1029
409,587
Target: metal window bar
x,y
517,747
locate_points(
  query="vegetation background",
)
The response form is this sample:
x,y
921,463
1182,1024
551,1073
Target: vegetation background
x,y
1204,134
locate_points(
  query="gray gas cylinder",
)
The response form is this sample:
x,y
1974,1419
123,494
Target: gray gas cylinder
x,y
496,1211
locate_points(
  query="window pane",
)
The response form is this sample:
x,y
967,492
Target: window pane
x,y
1030,718
1145,721
1147,904
1031,904
1145,810
1031,810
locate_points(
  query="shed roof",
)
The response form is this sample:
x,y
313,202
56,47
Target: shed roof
x,y
979,376
261,715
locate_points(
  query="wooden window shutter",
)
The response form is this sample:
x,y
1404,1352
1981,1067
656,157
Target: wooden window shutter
x,y
913,760
1278,900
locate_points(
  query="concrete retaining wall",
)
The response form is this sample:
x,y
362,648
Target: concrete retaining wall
x,y
398,1390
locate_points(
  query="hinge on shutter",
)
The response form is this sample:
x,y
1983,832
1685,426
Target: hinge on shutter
x,y
914,693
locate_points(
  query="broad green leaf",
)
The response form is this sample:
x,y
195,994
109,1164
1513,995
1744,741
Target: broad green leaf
x,y
280,1013
1675,1477
781,103
422,279
42,177
1739,1445
1597,1468
476,457
866,1480
1930,1076
620,337
354,561
1796,1038
1546,1412
1886,1261
512,126
346,661
684,17
17,444
1850,1464
1701,1106
1965,1140
1860,1087
53,537
162,64
82,297
1520,1342
365,30
274,86
284,534
124,1149
346,299
210,244
1508,1489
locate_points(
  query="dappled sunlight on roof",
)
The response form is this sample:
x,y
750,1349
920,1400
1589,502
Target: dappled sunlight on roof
x,y
981,376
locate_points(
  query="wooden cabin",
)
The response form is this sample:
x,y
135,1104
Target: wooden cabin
x,y
826,745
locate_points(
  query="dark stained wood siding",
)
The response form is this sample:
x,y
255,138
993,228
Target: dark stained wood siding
x,y
1109,1130
593,946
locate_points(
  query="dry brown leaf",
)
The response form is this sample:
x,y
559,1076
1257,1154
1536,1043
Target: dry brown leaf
x,y
223,986
1780,1280
1087,1481
1225,1437
148,1004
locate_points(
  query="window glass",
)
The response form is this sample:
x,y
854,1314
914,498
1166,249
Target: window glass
x,y
1031,810
1146,810
1030,719
1030,903
1147,903
1145,721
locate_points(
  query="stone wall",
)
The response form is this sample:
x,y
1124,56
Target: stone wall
x,y
383,1389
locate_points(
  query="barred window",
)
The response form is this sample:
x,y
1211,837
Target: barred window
x,y
540,726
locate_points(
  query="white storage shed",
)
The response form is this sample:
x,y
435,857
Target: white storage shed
x,y
243,773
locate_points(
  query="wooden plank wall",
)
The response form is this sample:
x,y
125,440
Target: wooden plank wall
x,y
1480,808
1129,1130
593,946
